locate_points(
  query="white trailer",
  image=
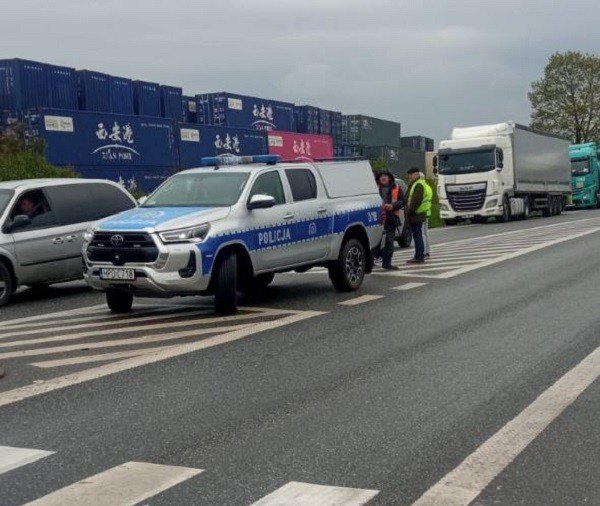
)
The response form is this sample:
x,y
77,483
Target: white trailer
x,y
503,171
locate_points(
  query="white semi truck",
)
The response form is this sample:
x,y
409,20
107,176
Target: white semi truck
x,y
503,171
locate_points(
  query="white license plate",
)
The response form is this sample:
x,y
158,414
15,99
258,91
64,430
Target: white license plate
x,y
117,274
468,216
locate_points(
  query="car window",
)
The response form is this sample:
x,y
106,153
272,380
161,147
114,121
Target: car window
x,y
303,184
109,200
73,203
269,184
35,206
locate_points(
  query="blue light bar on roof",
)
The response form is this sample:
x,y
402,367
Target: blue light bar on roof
x,y
227,159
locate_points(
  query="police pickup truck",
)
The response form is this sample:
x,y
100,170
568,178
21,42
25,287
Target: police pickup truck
x,y
231,225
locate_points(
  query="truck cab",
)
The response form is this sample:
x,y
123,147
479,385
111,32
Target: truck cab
x,y
585,174
232,225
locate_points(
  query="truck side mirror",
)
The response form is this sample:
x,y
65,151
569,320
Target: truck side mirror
x,y
500,166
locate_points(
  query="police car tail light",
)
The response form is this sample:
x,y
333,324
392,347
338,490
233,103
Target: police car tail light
x,y
227,159
192,234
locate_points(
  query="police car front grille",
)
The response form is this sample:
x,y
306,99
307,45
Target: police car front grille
x,y
134,248
467,201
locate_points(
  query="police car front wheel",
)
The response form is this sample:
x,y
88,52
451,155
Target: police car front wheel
x,y
226,285
348,272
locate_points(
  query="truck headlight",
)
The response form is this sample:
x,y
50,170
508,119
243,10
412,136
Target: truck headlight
x,y
491,203
192,234
444,207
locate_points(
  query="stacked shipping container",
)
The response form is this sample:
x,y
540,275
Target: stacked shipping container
x,y
107,126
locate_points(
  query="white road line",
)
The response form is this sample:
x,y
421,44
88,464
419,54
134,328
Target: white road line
x,y
87,359
96,308
360,300
137,328
12,458
462,485
121,342
26,392
124,485
306,494
409,286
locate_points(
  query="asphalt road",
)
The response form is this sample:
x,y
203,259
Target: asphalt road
x,y
388,393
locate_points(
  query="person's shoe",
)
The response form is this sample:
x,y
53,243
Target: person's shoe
x,y
391,268
426,255
415,261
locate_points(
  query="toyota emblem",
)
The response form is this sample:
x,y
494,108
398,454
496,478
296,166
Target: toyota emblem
x,y
117,240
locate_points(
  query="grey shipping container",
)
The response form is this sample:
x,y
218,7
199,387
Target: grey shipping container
x,y
368,131
418,142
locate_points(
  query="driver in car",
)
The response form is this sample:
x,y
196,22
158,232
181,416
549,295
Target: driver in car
x,y
28,207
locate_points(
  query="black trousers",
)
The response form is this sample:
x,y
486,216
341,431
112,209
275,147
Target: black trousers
x,y
388,249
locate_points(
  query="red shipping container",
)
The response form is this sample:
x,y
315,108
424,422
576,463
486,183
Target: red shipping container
x,y
294,146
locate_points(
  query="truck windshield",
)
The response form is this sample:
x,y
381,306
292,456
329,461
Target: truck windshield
x,y
580,167
5,196
210,189
467,162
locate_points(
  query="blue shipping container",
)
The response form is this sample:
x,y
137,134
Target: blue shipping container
x,y
196,141
62,87
240,111
170,102
93,90
146,98
82,138
23,84
188,105
121,95
132,178
307,119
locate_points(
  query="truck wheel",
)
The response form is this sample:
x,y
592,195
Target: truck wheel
x,y
506,216
559,206
348,271
450,222
226,285
549,211
7,284
119,301
258,283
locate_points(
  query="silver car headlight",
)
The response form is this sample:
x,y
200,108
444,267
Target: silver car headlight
x,y
192,234
88,235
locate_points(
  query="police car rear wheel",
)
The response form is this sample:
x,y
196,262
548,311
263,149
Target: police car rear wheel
x,y
118,301
226,285
348,273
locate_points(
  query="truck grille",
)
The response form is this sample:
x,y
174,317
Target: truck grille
x,y
471,200
122,248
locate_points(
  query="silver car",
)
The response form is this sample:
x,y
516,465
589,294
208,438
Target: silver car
x,y
42,222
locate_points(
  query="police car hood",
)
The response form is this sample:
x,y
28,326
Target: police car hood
x,y
151,219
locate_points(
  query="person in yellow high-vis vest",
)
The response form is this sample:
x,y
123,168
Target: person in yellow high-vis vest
x,y
420,196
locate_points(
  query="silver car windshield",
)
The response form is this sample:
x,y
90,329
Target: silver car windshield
x,y
5,197
209,189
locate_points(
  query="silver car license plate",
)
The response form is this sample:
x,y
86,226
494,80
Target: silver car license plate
x,y
111,274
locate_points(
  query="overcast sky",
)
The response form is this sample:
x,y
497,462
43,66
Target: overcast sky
x,y
430,64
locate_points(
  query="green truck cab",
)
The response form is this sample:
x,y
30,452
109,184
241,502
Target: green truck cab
x,y
585,174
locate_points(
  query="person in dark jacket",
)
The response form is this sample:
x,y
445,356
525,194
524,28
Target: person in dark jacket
x,y
393,202
416,218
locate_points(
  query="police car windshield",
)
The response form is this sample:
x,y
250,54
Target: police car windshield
x,y
207,189
5,196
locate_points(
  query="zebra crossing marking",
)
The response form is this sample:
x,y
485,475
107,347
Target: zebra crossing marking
x,y
306,494
13,458
236,327
409,286
360,300
462,256
124,485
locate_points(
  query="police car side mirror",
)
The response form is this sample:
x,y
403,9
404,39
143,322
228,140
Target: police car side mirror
x,y
260,202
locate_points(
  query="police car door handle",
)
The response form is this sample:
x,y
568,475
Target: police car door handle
x,y
289,216
58,240
71,238
321,210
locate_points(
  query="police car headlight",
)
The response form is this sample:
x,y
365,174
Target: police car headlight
x,y
88,235
193,234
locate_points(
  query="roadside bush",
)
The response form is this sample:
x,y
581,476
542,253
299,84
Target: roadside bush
x,y
22,157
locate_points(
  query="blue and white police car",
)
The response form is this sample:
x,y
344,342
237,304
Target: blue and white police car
x,y
231,225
